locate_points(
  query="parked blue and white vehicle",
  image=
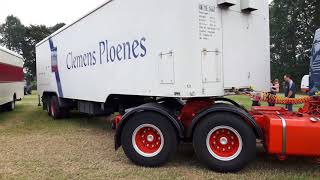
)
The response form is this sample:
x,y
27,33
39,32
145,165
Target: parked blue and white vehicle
x,y
315,63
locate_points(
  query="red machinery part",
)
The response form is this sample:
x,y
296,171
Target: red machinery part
x,y
192,107
288,133
311,107
117,120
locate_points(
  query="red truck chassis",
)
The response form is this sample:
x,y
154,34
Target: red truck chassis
x,y
223,134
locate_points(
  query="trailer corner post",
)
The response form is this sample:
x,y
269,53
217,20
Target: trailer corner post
x,y
39,100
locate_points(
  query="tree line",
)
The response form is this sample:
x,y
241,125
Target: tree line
x,y
292,27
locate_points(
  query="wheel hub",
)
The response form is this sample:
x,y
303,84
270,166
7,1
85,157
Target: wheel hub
x,y
223,140
147,140
150,138
224,143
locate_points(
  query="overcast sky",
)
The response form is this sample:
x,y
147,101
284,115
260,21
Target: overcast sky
x,y
47,12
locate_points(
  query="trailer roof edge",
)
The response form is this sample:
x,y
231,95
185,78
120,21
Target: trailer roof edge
x,y
71,24
10,52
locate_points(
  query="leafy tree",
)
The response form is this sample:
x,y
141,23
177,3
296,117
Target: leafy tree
x,y
34,34
12,33
56,27
292,25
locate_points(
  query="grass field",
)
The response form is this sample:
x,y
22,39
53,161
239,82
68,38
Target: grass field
x,y
33,146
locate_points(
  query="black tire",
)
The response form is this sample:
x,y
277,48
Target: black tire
x,y
222,163
55,110
167,130
48,105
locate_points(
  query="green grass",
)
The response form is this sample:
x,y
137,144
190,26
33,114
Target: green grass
x,y
34,146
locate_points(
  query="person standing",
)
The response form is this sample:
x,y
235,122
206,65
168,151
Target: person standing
x,y
275,87
290,90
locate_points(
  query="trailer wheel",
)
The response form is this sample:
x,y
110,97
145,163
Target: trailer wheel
x,y
149,139
224,142
55,109
48,105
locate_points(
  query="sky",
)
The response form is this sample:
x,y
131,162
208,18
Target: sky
x,y
47,12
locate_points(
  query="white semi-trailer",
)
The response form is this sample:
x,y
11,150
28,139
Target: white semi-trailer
x,y
11,78
141,57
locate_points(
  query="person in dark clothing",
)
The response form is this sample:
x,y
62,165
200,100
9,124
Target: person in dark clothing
x,y
290,90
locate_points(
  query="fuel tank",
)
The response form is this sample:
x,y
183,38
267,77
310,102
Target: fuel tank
x,y
288,133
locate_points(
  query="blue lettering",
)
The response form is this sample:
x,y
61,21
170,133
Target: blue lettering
x,y
108,53
94,58
112,53
67,62
119,49
100,50
142,46
135,44
126,48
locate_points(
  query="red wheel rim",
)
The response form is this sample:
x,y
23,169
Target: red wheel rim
x,y
147,140
224,143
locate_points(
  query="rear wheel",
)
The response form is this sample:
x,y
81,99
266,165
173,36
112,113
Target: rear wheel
x,y
48,105
55,110
149,139
224,142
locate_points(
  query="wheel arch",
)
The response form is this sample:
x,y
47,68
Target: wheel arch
x,y
229,109
150,107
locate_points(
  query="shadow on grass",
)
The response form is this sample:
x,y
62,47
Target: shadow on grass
x,y
87,121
